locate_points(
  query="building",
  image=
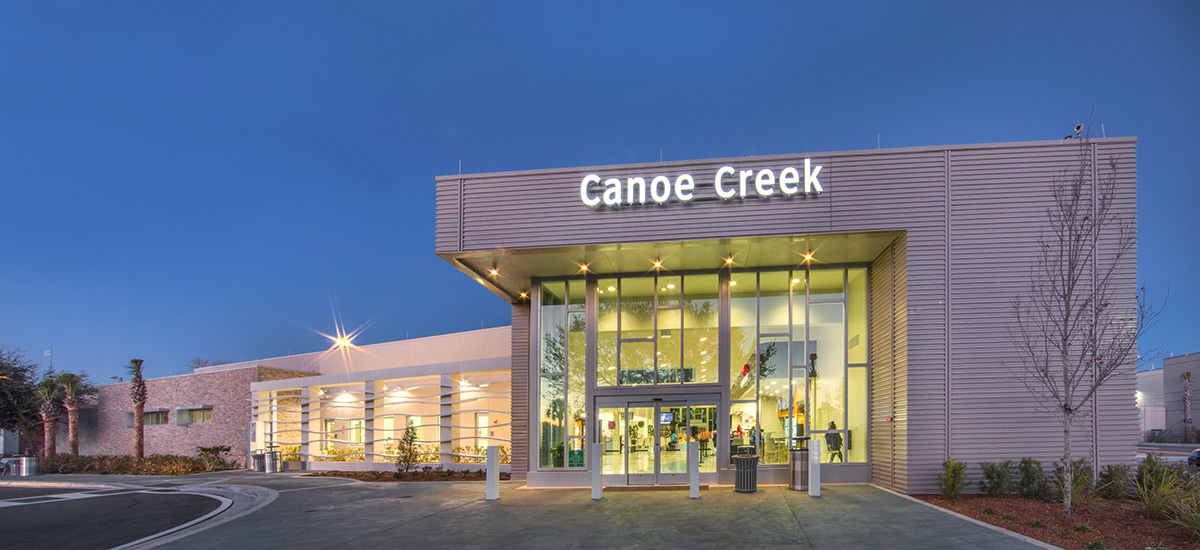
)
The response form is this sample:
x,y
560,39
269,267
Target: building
x,y
205,408
248,405
1160,397
453,389
857,297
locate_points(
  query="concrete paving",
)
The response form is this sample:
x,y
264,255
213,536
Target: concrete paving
x,y
318,513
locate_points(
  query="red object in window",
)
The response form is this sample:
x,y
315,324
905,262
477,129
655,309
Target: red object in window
x,y
745,369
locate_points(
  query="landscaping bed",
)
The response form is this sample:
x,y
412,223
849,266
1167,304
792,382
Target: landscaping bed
x,y
1117,524
170,465
431,475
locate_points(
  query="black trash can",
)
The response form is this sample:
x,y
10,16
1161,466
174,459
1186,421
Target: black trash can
x,y
745,472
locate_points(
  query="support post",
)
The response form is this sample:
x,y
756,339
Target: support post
x,y
493,472
305,407
597,471
693,459
814,467
369,423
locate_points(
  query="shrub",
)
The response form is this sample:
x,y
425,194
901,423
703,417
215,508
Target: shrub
x,y
1158,489
1114,481
952,480
1095,545
349,454
1010,517
1037,523
997,478
1186,513
407,451
172,465
1031,479
1084,528
1081,478
212,456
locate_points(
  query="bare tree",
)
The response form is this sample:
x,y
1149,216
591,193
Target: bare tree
x,y
137,392
201,362
1075,328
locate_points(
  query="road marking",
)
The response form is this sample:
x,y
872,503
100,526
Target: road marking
x,y
319,487
225,504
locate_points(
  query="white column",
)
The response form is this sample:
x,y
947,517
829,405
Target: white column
x,y
814,467
693,459
597,471
493,472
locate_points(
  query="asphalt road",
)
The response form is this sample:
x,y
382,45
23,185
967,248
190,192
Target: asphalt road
x,y
50,518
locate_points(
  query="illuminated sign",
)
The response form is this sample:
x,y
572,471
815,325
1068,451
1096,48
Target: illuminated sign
x,y
728,183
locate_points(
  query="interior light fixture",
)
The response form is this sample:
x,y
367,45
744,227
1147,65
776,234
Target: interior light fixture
x,y
732,283
612,288
672,285
657,263
583,266
795,281
728,260
808,256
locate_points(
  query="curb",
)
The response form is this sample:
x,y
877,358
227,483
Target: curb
x,y
1014,534
62,484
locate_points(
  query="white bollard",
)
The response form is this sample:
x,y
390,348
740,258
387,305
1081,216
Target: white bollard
x,y
693,469
597,471
814,467
493,472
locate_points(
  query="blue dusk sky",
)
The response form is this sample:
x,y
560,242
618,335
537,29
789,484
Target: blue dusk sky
x,y
217,179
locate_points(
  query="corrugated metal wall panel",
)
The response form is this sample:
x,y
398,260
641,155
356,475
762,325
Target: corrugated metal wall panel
x,y
520,391
446,206
993,247
964,254
1118,436
883,374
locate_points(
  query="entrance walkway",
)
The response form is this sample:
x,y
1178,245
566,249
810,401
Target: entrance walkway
x,y
332,513
454,515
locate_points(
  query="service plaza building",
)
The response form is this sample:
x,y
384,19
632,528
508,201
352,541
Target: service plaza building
x,y
725,303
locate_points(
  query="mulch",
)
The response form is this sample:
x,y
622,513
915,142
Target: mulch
x,y
1116,524
435,475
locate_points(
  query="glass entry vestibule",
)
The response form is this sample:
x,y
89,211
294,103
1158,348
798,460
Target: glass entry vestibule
x,y
777,354
647,442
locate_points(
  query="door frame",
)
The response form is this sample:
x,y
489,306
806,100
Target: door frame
x,y
657,477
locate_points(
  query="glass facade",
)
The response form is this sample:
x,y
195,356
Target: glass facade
x,y
795,365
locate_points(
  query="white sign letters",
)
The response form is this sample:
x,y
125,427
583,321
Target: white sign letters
x,y
729,183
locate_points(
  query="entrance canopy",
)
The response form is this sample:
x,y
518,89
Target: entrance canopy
x,y
508,272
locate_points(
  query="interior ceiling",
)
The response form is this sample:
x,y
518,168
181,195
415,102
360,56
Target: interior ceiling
x,y
516,267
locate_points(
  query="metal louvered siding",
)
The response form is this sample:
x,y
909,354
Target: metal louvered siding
x,y
970,215
520,391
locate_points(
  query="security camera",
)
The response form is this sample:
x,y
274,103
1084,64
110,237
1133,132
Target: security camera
x,y
1078,129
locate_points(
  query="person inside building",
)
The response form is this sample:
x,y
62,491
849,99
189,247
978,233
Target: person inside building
x,y
833,442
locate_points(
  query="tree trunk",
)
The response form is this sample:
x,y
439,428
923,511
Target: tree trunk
x,y
49,426
138,426
73,429
1068,483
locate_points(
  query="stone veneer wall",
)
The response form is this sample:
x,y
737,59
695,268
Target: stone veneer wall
x,y
228,392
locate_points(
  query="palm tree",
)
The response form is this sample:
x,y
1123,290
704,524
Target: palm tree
x,y
48,394
75,387
137,391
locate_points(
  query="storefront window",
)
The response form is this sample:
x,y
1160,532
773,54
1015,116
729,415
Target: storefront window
x,y
606,332
562,390
856,316
827,395
551,434
743,335
700,329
